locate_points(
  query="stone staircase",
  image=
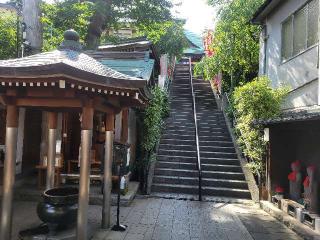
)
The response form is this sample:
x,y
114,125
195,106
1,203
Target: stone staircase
x,y
176,169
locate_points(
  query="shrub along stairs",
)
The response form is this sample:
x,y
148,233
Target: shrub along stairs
x,y
176,170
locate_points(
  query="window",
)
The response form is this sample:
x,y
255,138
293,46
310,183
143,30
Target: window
x,y
300,30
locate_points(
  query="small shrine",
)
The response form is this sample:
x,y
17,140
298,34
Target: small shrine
x,y
69,102
292,166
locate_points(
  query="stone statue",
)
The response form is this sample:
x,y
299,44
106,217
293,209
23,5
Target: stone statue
x,y
295,181
311,190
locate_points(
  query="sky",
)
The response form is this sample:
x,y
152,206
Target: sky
x,y
198,14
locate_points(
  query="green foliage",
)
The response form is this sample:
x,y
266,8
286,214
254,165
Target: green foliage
x,y
8,35
256,100
168,37
112,14
150,123
235,44
218,2
154,114
62,15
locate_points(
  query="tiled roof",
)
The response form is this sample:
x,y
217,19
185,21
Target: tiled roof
x,y
135,68
293,116
195,44
67,62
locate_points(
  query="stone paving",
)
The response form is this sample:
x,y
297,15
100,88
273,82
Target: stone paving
x,y
169,219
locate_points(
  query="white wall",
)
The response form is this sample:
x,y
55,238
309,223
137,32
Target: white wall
x,y
300,73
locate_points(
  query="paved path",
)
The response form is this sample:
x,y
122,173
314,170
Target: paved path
x,y
164,219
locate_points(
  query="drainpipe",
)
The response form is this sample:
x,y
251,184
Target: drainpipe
x,y
265,39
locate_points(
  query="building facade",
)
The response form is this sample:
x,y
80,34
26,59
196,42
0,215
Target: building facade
x,y
289,49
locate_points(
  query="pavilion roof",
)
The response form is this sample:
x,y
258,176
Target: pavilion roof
x,y
69,67
71,63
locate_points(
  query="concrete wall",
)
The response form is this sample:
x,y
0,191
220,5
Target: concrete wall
x,y
300,73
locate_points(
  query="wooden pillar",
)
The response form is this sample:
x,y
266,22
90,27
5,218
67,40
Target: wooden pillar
x,y
124,125
107,175
51,154
83,203
9,171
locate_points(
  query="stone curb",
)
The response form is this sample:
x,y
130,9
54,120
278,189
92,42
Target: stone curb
x,y
293,224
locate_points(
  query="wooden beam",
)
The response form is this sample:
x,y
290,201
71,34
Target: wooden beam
x,y
49,92
49,102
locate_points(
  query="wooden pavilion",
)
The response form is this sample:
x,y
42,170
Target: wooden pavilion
x,y
64,80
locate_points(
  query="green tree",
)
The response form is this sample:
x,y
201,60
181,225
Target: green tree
x,y
108,14
254,101
95,17
8,35
168,37
235,44
62,15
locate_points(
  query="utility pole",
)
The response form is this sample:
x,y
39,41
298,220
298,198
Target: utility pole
x,y
31,18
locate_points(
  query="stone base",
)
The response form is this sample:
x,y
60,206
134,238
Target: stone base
x,y
301,229
66,235
310,219
69,234
276,200
292,208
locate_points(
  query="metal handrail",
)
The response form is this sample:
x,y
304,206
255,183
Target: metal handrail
x,y
196,132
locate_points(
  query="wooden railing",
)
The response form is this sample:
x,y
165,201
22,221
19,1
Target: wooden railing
x,y
196,132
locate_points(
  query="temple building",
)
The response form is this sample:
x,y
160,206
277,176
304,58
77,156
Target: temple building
x,y
59,118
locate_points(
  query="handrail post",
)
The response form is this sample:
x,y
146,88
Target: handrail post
x,y
196,131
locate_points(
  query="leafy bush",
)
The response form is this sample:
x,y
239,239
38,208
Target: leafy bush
x,y
153,116
256,100
150,126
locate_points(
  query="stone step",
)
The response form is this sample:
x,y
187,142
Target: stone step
x,y
218,154
182,159
176,172
226,192
180,126
173,123
178,146
188,153
225,183
216,149
176,180
208,128
216,143
177,165
214,138
222,175
220,167
222,161
179,136
174,188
